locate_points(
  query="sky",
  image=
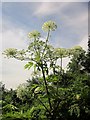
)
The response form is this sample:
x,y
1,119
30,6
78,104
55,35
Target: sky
x,y
19,18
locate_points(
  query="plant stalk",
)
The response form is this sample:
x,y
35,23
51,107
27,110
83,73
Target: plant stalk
x,y
46,87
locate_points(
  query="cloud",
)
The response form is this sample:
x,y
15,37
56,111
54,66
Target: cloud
x,y
14,73
79,22
71,14
49,8
15,38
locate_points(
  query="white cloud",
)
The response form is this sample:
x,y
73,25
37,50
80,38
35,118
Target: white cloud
x,y
49,8
15,38
14,73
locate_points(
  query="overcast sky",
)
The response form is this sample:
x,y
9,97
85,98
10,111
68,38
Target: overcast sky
x,y
20,18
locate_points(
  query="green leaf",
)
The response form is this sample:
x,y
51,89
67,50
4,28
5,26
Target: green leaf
x,y
28,65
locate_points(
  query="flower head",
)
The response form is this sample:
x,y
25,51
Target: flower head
x,y
61,52
11,52
49,26
34,34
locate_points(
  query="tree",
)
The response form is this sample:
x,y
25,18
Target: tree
x,y
77,57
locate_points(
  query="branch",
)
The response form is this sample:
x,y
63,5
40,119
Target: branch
x,y
43,105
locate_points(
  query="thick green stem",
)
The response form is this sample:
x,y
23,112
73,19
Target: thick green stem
x,y
46,88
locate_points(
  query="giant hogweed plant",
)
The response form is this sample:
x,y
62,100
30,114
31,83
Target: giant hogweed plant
x,y
43,57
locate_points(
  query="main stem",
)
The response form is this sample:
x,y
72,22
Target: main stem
x,y
45,82
46,88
